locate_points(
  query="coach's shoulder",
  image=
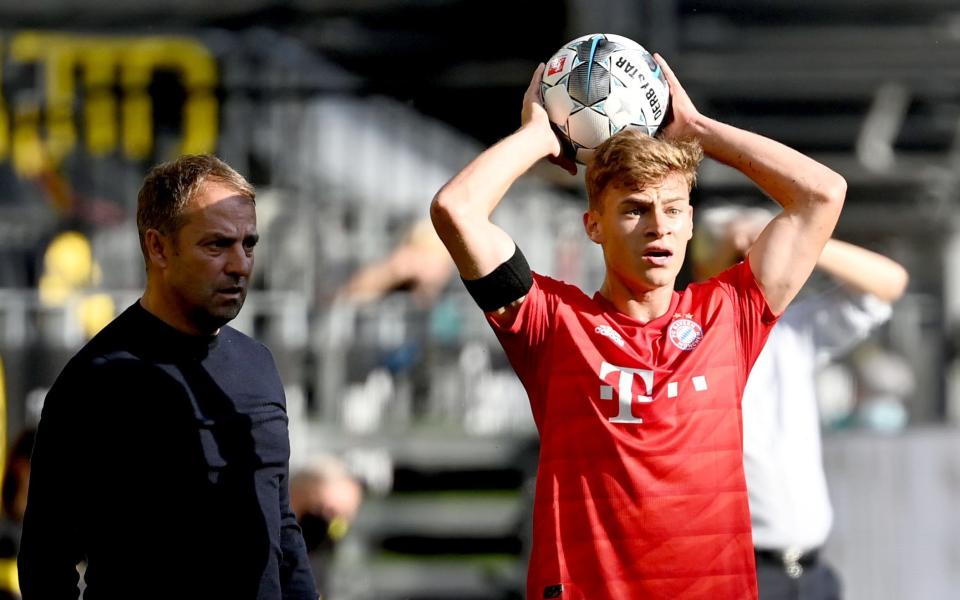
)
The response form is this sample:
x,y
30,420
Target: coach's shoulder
x,y
240,343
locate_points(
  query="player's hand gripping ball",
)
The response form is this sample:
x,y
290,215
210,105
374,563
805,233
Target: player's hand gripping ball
x,y
598,85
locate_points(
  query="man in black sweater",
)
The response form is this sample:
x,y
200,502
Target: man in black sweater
x,y
161,458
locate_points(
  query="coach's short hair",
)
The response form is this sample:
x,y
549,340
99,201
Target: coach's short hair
x,y
634,160
169,186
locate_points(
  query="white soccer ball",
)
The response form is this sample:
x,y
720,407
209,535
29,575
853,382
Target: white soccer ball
x,y
598,85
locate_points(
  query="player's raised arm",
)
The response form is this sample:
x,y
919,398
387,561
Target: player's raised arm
x,y
461,209
810,193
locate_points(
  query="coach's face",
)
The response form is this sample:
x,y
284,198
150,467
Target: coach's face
x,y
209,261
644,233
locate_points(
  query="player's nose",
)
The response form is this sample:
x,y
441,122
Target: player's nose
x,y
657,224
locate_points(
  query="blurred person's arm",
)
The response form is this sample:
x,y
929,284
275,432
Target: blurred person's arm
x,y
461,209
810,193
50,542
863,270
840,318
859,270
420,261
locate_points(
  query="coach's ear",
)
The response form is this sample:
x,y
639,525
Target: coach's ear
x,y
157,248
591,224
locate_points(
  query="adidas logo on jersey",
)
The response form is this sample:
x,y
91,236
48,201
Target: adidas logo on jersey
x,y
610,333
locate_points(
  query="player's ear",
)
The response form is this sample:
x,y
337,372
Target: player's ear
x,y
158,250
591,224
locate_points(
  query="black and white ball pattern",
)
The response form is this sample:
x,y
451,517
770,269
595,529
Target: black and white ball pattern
x,y
600,84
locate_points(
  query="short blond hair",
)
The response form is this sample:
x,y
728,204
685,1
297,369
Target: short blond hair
x,y
634,160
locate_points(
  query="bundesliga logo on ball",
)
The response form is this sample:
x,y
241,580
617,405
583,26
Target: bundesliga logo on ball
x,y
598,85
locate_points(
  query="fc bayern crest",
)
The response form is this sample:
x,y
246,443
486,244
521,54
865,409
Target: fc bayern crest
x,y
685,334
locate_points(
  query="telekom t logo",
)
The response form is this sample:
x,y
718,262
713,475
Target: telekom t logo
x,y
625,390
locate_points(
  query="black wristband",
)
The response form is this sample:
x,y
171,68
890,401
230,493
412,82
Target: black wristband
x,y
508,282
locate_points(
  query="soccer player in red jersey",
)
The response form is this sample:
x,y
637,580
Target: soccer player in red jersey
x,y
636,389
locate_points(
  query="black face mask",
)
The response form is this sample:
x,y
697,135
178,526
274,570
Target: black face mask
x,y
316,532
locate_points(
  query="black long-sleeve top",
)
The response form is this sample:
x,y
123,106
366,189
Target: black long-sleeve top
x,y
161,460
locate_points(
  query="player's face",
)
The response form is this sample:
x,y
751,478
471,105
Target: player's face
x,y
211,257
644,233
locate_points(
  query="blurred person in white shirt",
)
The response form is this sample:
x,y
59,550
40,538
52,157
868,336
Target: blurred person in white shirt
x,y
790,508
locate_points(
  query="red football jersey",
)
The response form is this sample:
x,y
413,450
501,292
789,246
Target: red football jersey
x,y
640,489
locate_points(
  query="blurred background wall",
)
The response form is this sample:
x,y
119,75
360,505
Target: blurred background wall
x,y
349,115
